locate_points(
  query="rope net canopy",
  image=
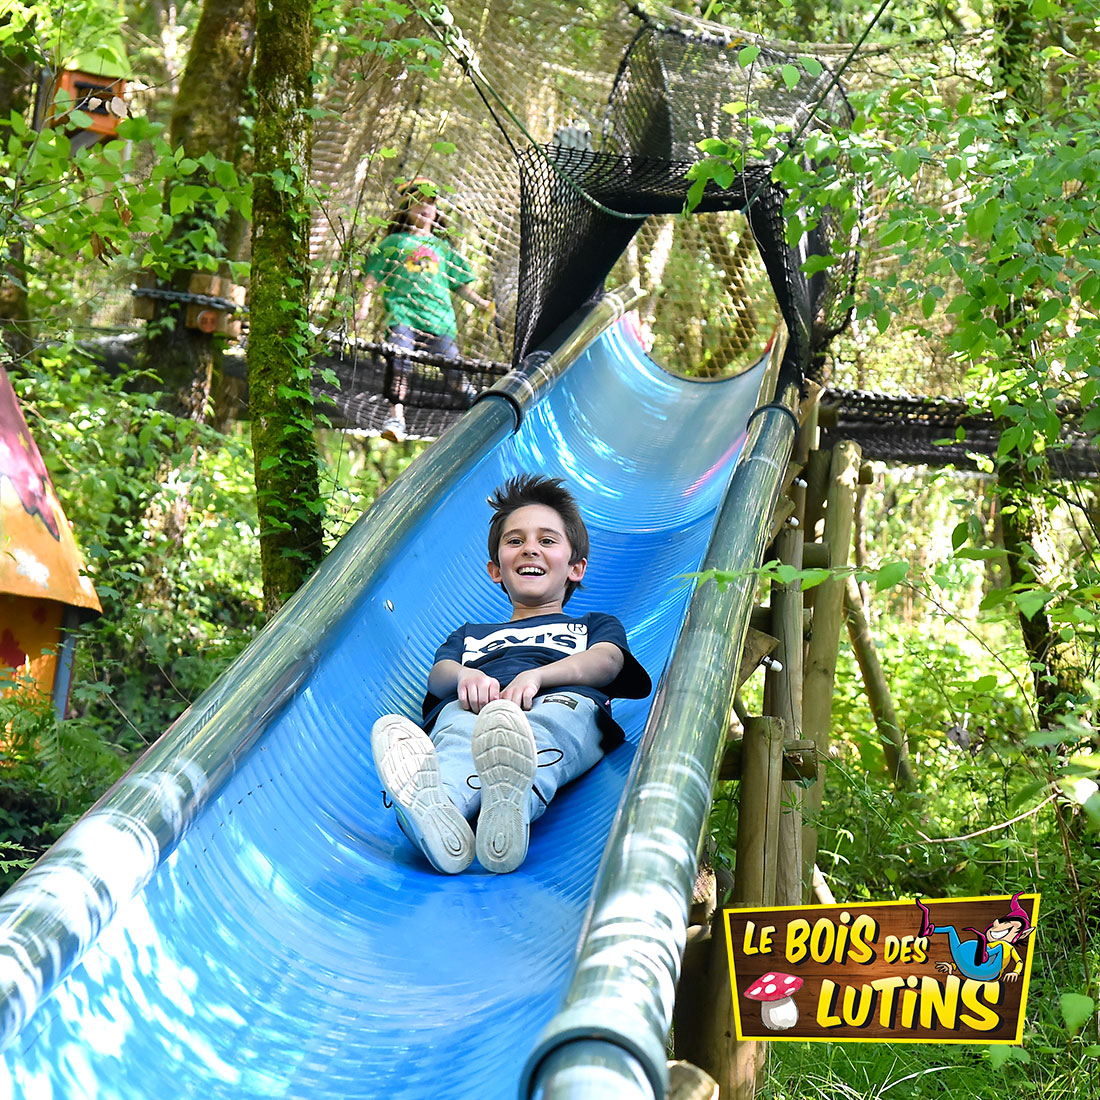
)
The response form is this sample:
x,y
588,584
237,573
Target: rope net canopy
x,y
942,431
560,146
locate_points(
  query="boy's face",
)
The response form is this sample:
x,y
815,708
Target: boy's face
x,y
534,555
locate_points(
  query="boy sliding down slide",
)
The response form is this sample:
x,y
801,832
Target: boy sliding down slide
x,y
515,710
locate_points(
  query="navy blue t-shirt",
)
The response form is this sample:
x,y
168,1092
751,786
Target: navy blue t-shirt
x,y
504,650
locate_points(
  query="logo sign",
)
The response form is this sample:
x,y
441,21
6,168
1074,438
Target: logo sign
x,y
927,971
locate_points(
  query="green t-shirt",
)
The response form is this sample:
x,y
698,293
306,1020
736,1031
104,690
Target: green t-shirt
x,y
417,274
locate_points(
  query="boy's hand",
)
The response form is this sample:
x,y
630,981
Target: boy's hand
x,y
523,689
475,689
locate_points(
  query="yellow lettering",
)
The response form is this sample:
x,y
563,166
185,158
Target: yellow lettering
x,y
864,934
983,1019
943,1001
909,1001
763,945
826,1005
798,932
888,1006
858,1017
824,937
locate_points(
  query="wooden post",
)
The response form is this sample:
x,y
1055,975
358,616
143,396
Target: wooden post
x,y
820,672
757,646
878,692
736,1065
703,1020
804,444
210,318
758,813
817,488
783,698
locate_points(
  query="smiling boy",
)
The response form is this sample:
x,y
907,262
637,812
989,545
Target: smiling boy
x,y
516,709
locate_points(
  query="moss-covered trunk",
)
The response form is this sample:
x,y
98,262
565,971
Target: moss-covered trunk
x,y
16,74
205,123
1032,564
279,342
205,120
1026,523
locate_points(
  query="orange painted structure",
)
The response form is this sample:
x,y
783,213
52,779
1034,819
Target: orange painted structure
x,y
93,94
44,593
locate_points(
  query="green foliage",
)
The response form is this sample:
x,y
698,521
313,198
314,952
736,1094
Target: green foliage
x,y
374,29
985,819
999,806
980,250
355,471
886,576
50,771
105,442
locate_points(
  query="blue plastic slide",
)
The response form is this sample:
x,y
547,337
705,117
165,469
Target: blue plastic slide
x,y
240,917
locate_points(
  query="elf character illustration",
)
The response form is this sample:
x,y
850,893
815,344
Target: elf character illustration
x,y
994,955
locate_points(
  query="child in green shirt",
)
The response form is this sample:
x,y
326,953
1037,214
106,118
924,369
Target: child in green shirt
x,y
418,270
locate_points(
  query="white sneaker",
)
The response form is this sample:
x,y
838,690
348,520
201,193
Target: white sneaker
x,y
394,429
505,757
405,759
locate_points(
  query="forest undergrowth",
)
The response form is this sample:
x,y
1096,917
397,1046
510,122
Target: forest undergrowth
x,y
999,807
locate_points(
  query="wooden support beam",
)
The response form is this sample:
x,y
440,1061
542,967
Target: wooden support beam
x,y
759,812
757,646
878,691
799,760
210,318
703,1015
739,1063
815,555
817,487
805,442
784,511
792,473
821,656
761,619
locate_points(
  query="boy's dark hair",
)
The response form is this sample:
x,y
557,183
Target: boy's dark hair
x,y
524,489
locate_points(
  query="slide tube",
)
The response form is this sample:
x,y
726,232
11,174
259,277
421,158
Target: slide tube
x,y
627,965
53,914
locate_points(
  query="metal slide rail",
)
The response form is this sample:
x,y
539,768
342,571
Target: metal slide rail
x,y
50,918
608,1040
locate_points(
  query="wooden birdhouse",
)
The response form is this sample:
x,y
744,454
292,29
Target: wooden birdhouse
x,y
44,594
93,82
101,98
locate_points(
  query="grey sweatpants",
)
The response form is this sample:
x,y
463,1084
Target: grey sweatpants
x,y
566,736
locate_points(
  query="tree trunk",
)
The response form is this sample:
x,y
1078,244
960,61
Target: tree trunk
x,y
205,119
283,440
1025,518
1031,557
15,83
893,742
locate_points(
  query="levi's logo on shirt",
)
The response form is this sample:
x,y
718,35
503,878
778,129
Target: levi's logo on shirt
x,y
564,638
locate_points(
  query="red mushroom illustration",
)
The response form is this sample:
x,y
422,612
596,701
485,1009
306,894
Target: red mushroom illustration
x,y
775,992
